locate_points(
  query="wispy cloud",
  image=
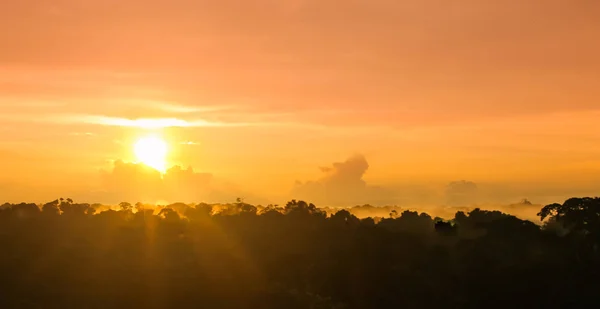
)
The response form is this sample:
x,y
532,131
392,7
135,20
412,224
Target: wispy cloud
x,y
82,134
174,107
149,123
144,123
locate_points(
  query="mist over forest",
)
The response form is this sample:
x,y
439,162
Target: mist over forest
x,y
342,184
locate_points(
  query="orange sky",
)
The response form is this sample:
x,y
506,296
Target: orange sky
x,y
262,93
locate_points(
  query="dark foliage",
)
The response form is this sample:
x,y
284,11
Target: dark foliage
x,y
68,255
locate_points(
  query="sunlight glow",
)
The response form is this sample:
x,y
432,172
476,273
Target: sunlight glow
x,y
152,151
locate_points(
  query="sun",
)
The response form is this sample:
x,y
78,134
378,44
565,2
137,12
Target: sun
x,y
152,151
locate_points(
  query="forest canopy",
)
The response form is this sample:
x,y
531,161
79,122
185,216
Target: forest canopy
x,y
64,254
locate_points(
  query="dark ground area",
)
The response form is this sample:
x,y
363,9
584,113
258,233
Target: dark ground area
x,y
68,255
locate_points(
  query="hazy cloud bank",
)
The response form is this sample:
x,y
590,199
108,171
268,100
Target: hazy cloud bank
x,y
138,183
342,184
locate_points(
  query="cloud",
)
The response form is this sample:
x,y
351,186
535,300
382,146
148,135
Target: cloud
x,y
286,53
462,193
82,134
138,183
145,123
343,185
156,123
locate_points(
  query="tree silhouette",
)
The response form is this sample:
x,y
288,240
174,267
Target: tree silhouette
x,y
577,214
125,206
64,254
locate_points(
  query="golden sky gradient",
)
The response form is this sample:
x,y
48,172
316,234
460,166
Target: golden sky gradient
x,y
257,95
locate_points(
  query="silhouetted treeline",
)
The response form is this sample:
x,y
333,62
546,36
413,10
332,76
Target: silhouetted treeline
x,y
69,255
